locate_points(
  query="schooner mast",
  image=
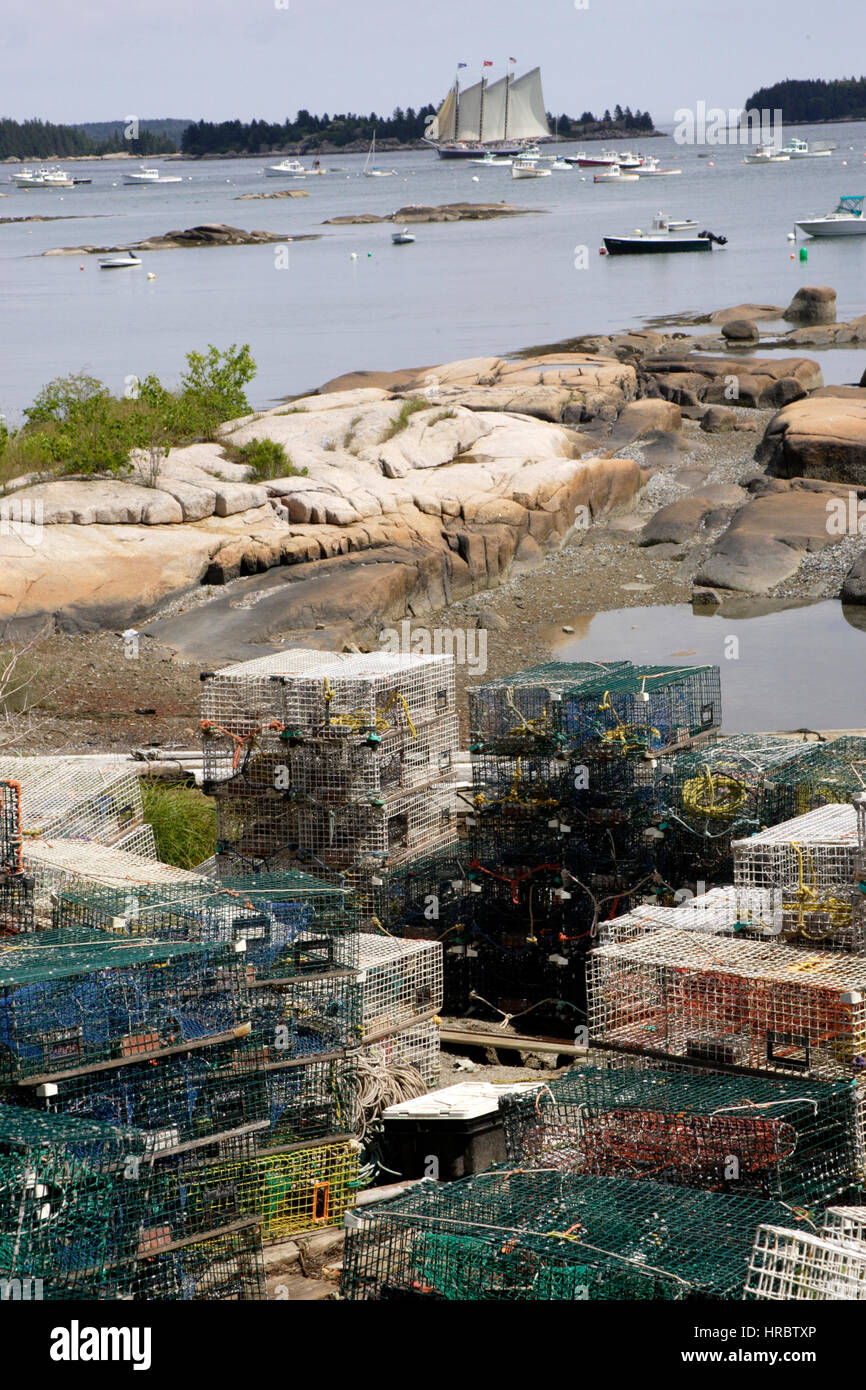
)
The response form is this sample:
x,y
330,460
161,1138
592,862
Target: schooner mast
x,y
486,115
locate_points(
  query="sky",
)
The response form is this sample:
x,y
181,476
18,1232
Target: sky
x,y
221,59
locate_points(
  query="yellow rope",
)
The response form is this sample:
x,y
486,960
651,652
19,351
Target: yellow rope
x,y
713,795
808,900
357,719
628,736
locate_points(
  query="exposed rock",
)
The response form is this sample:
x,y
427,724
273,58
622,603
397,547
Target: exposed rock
x,y
822,437
740,331
812,304
445,212
280,193
767,539
103,501
206,234
748,381
854,587
747,311
717,418
677,522
639,418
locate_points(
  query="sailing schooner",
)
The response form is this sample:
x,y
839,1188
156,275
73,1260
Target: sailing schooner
x,y
502,117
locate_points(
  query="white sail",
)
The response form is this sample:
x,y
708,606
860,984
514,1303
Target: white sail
x,y
527,119
469,113
442,125
493,123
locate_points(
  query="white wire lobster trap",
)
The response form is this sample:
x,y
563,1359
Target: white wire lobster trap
x,y
417,1046
56,862
724,911
297,696
400,980
337,772
78,798
788,1265
282,832
731,1002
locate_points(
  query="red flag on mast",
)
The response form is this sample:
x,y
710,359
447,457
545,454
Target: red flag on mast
x,y
488,63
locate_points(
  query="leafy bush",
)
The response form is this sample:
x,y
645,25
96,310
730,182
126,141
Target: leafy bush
x,y
268,459
183,820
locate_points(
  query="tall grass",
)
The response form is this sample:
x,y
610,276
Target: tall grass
x,y
183,820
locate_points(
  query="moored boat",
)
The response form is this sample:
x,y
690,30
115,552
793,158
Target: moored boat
x,y
845,220
145,177
500,117
524,168
614,175
122,261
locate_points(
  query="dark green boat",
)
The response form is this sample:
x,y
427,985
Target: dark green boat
x,y
654,243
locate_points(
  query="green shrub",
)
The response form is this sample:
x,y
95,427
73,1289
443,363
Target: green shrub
x,y
407,410
268,459
183,820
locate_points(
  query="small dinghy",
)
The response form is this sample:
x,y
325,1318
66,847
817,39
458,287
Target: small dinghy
x,y
402,238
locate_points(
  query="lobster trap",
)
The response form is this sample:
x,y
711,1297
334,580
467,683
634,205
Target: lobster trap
x,y
731,1002
298,697
795,1140
299,1190
643,709
11,861
520,713
417,1047
310,1101
334,773
16,904
824,773
67,1002
538,1235
77,798
292,923
791,1265
224,1268
279,832
59,861
400,981
424,896
181,1099
305,1016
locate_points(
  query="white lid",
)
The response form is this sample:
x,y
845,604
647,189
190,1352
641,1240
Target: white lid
x,y
466,1101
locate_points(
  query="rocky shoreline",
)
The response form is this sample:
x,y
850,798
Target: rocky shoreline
x,y
204,235
519,495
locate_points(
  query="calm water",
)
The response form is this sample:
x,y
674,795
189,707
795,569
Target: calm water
x,y
462,289
788,669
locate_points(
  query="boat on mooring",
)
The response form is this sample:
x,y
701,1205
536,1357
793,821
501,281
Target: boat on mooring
x,y
801,149
524,168
124,260
614,175
403,238
767,154
145,177
660,240
845,220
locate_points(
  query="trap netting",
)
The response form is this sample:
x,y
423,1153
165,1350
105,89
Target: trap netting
x,y
59,861
292,923
310,1100
307,1016
791,1265
17,913
520,712
646,708
829,772
279,832
795,1140
811,860
334,773
537,1235
400,981
10,828
416,1047
423,896
67,1002
79,798
299,695
224,1268
731,1001
180,1099
294,1191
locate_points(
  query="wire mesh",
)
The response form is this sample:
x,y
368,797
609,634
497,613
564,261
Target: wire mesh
x,y
747,1003
307,1016
292,923
58,861
67,1002
538,1235
645,708
789,1265
225,1268
520,711
80,798
829,772
310,1101
300,1190
794,1140
417,1046
400,980
10,828
17,913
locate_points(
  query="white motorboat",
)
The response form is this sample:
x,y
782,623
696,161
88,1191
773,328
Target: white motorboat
x,y
492,161
626,160
767,154
371,171
561,164
800,149
403,238
614,175
652,171
606,159
846,219
122,261
43,178
524,168
145,176
286,169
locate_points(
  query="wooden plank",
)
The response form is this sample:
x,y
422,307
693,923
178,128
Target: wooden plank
x,y
510,1042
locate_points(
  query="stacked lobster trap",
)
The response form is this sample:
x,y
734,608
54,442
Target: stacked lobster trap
x,y
345,762
16,887
824,1264
401,993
